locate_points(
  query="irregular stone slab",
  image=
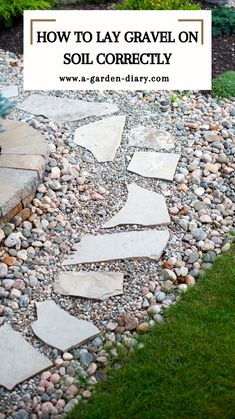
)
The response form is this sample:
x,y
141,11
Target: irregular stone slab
x,y
27,162
57,328
102,138
96,285
15,185
19,360
142,207
150,137
9,91
129,245
62,109
155,165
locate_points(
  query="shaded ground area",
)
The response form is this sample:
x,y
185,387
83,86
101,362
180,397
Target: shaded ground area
x,y
223,47
185,368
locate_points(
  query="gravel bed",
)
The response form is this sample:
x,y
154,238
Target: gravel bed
x,y
85,195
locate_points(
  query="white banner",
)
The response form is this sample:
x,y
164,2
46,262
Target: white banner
x,y
117,50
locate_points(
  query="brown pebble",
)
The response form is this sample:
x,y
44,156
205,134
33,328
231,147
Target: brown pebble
x,y
143,327
189,280
119,330
120,321
168,265
9,260
86,394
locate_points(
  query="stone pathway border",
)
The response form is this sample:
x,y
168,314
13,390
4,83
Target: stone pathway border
x,y
22,163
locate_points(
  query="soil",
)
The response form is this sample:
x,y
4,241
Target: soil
x,y
223,47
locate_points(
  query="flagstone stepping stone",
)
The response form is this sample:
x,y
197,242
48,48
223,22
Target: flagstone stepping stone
x,y
19,360
23,158
155,165
20,138
102,138
9,91
129,245
62,109
96,285
150,137
57,328
143,207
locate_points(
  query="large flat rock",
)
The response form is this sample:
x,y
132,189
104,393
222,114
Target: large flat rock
x,y
150,137
20,138
129,245
9,91
95,285
26,162
57,328
15,185
154,165
143,207
102,138
19,360
62,109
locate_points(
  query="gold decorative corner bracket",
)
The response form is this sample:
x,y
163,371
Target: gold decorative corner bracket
x,y
196,20
32,21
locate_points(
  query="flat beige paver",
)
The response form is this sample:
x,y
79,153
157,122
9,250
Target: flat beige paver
x,y
20,138
150,137
155,165
57,328
19,360
102,138
143,207
129,245
95,285
62,109
26,162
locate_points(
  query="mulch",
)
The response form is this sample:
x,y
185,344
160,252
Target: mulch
x,y
223,47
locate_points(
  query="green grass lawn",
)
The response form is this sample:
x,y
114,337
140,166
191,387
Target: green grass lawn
x,y
187,366
224,85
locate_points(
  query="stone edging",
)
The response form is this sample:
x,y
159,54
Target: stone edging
x,y
23,159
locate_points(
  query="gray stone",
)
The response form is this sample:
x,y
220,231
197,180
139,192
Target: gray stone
x,y
150,137
3,270
57,328
85,357
160,296
22,414
155,165
14,187
62,109
96,285
169,275
19,360
143,207
193,257
24,301
158,318
102,138
9,91
12,240
129,245
70,405
198,234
